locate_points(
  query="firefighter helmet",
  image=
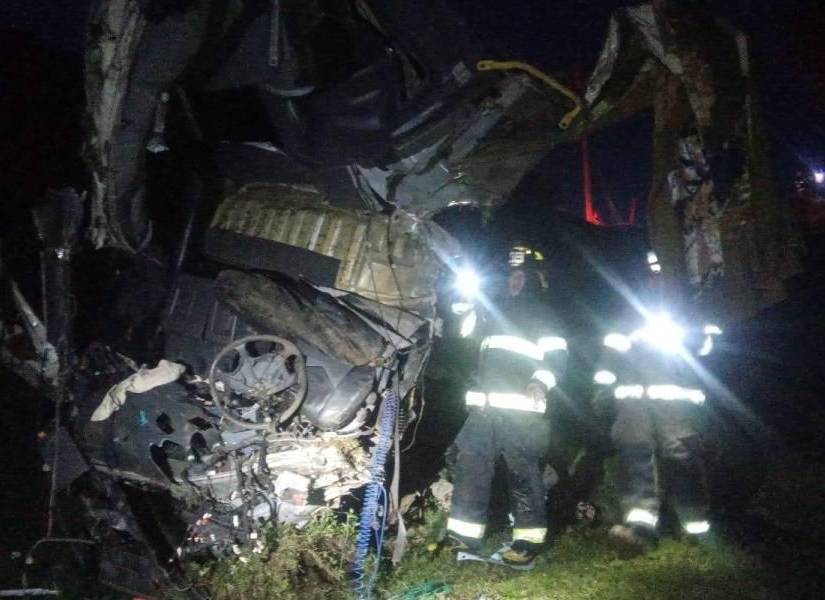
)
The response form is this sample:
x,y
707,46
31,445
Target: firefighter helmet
x,y
529,259
521,256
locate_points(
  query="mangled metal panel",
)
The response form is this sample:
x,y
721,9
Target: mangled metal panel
x,y
724,241
120,25
392,259
515,123
122,96
143,60
296,310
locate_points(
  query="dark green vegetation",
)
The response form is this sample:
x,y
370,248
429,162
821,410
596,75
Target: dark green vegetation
x,y
584,565
773,550
311,563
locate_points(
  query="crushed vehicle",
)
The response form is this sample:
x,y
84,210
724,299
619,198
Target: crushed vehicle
x,y
270,171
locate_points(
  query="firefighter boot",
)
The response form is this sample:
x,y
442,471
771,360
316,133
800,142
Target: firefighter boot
x,y
637,538
459,543
521,553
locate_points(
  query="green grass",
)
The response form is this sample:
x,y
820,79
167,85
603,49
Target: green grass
x,y
584,565
777,555
292,564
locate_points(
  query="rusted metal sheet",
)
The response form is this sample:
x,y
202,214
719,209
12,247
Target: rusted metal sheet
x,y
714,219
391,259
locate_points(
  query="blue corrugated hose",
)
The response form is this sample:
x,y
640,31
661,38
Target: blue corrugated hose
x,y
372,496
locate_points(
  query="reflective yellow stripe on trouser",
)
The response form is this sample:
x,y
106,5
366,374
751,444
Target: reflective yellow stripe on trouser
x,y
697,527
466,528
533,535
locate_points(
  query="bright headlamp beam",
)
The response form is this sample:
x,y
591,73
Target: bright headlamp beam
x,y
819,177
468,283
662,333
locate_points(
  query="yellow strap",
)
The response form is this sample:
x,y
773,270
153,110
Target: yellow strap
x,y
509,65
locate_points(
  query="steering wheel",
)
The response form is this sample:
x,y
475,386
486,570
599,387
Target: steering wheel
x,y
261,374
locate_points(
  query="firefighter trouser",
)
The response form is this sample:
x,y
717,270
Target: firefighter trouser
x,y
656,438
521,439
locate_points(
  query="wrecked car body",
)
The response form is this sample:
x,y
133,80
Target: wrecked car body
x,y
294,306
267,403
715,218
391,117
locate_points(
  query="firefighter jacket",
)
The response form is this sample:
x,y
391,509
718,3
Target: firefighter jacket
x,y
652,374
520,344
656,360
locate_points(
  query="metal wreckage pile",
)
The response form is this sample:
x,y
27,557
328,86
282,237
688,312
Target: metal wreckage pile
x,y
305,309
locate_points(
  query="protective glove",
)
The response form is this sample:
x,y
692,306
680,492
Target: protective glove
x,y
603,403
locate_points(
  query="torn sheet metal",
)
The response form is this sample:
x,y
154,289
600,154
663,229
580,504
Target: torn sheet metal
x,y
26,348
296,311
72,462
723,239
121,26
478,159
130,62
697,208
605,64
392,136
432,179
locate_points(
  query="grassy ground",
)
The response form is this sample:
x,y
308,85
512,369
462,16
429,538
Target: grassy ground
x,y
584,565
293,564
772,551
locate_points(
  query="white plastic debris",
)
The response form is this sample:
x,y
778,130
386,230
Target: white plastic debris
x,y
137,383
442,491
291,481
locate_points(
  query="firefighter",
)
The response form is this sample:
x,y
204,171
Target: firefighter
x,y
651,374
521,358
